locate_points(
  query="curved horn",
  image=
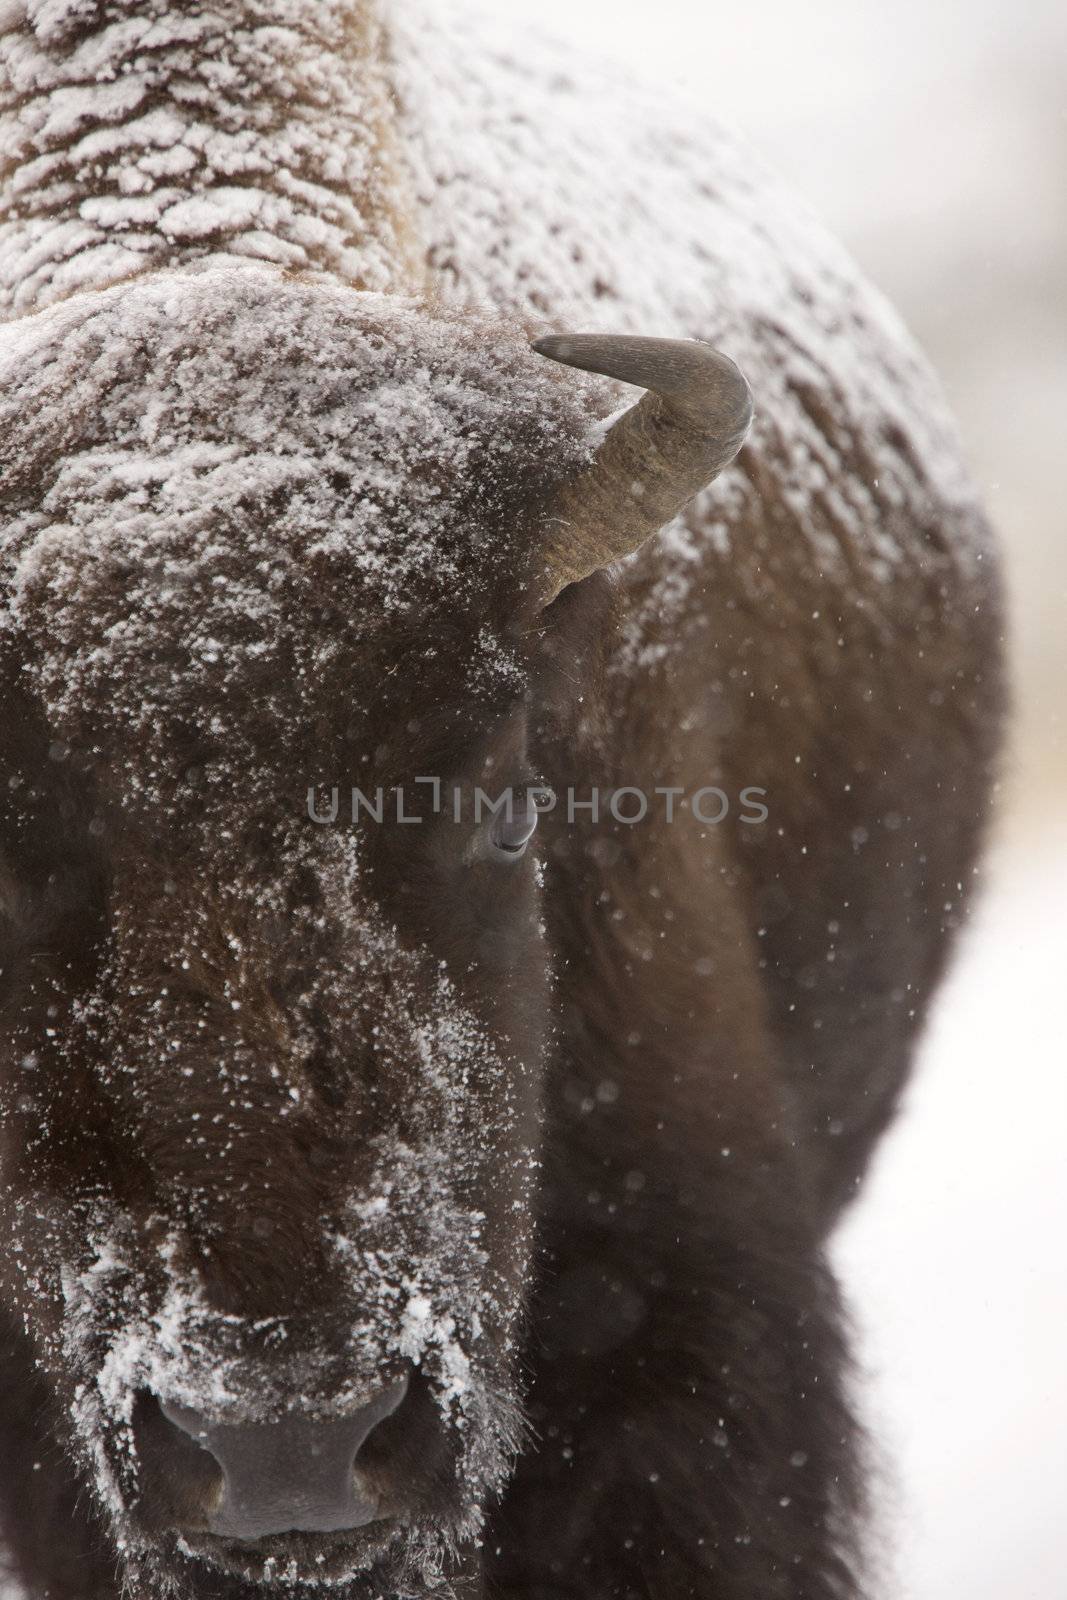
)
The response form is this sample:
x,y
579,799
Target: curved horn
x,y
655,457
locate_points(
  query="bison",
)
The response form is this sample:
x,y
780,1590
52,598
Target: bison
x,y
470,884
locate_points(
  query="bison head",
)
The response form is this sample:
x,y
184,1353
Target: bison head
x,y
272,1085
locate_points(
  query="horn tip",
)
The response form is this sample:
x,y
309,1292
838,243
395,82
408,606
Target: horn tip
x,y
556,346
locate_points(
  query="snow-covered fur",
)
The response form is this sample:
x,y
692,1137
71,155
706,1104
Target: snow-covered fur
x,y
292,1106
130,132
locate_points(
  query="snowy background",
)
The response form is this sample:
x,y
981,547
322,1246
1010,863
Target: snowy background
x,y
932,136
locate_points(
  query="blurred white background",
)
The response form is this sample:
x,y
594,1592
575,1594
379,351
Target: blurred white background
x,y
932,137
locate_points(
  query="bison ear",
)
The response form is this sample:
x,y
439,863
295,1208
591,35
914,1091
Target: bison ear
x,y
654,458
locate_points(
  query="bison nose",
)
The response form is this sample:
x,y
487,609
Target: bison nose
x,y
297,1474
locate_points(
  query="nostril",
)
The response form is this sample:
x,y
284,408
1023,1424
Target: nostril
x,y
182,1482
294,1474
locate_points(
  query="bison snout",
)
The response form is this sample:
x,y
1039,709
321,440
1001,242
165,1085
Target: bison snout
x,y
298,1474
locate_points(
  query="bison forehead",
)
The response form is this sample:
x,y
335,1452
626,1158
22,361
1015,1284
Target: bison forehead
x,y
229,472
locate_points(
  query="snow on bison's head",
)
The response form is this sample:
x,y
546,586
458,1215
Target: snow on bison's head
x,y
271,1085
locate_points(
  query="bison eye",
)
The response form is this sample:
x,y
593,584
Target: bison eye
x,y
509,835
